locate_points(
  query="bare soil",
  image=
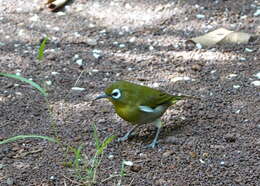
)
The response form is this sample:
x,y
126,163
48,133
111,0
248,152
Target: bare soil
x,y
212,141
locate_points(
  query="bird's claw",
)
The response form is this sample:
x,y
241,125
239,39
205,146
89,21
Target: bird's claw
x,y
124,138
151,145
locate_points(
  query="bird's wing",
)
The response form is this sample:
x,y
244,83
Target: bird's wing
x,y
156,98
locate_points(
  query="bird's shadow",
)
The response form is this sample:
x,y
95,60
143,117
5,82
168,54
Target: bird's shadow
x,y
147,132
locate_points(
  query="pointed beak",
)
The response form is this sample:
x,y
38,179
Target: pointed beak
x,y
101,96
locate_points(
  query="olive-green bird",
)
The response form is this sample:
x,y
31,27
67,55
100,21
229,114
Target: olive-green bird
x,y
139,105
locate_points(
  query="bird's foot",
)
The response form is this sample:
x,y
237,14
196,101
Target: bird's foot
x,y
124,138
151,145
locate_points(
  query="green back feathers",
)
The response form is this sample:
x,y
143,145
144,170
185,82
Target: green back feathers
x,y
133,94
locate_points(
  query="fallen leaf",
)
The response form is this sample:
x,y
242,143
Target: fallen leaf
x,y
221,36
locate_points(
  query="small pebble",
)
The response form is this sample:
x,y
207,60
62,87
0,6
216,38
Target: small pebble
x,y
76,34
34,18
167,154
128,163
248,50
54,73
48,82
115,43
136,168
180,69
132,39
95,70
230,137
200,16
97,53
257,75
103,31
61,13
56,28
77,88
196,67
151,48
198,45
257,142
236,86
257,13
76,56
110,156
256,83
121,45
184,78
91,41
79,62
238,111
230,76
242,59
142,155
9,181
193,154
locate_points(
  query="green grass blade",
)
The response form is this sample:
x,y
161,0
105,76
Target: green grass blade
x,y
35,85
104,144
41,49
97,141
15,138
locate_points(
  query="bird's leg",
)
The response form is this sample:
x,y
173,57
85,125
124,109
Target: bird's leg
x,y
158,124
125,137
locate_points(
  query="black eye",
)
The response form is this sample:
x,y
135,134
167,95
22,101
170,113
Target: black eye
x,y
116,94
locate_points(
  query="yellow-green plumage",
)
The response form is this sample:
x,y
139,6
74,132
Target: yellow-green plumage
x,y
134,95
139,104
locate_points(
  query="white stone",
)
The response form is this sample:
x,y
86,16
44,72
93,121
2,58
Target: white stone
x,y
236,86
256,83
103,31
115,43
34,18
257,13
128,163
132,39
200,16
122,45
56,28
91,41
230,76
61,13
198,45
77,88
76,34
242,59
110,156
238,111
76,56
257,75
183,78
248,50
79,62
48,82
54,73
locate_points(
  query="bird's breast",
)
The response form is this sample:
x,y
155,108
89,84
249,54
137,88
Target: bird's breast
x,y
134,115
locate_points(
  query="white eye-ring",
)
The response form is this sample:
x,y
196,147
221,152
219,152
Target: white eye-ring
x,y
116,94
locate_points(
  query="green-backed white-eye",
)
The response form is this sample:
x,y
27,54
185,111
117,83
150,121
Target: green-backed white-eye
x,y
139,104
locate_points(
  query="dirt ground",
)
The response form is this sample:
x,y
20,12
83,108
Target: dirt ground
x,y
212,141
